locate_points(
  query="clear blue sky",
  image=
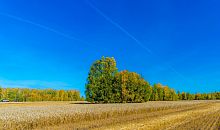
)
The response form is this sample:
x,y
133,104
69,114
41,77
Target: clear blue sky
x,y
52,43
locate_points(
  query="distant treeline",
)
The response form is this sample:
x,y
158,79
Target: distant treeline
x,y
106,85
30,95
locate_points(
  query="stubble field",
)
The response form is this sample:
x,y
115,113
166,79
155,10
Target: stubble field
x,y
73,115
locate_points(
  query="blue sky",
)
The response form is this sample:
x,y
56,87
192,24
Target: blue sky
x,y
51,44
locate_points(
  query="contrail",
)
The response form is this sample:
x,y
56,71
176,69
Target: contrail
x,y
119,27
130,35
175,71
44,27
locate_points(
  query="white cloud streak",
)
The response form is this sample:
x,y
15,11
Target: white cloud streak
x,y
45,28
119,27
148,50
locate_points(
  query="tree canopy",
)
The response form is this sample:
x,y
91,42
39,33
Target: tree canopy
x,y
106,85
100,80
26,94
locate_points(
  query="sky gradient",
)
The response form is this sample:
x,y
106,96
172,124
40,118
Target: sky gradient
x,y
51,44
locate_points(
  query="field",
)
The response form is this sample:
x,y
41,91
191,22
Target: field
x,y
74,115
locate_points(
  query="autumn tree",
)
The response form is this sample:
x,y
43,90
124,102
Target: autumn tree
x,y
160,91
154,95
167,96
1,95
31,95
132,87
148,92
173,95
183,96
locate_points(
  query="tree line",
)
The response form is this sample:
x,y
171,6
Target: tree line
x,y
31,95
106,85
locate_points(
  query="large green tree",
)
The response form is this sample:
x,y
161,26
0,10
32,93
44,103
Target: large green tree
x,y
99,85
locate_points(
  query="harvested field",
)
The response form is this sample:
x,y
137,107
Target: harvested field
x,y
150,115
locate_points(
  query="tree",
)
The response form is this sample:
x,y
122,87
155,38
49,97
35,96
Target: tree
x,y
198,96
160,91
120,86
189,96
148,92
154,95
167,96
173,95
179,95
183,96
100,80
1,95
132,87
